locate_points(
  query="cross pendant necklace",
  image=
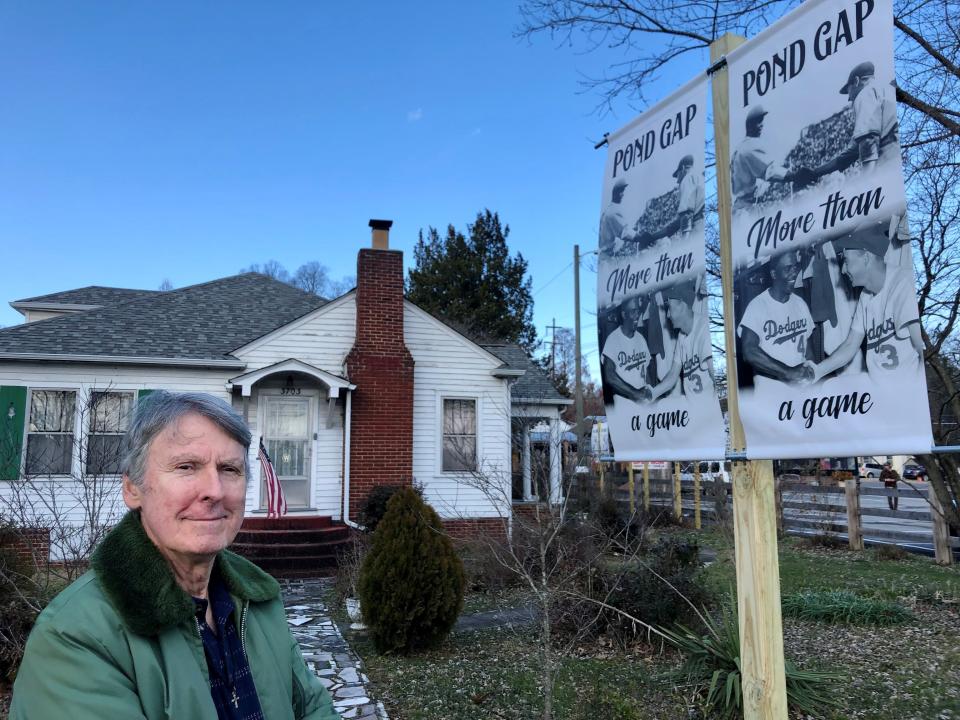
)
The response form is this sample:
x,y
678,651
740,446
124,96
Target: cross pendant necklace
x,y
234,699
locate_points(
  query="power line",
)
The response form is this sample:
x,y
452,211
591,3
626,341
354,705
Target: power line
x,y
544,287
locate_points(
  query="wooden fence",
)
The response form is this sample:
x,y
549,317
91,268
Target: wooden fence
x,y
844,509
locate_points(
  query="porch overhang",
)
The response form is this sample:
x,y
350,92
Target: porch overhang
x,y
334,383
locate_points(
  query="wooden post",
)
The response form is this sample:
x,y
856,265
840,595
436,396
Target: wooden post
x,y
633,504
942,552
646,487
600,466
696,496
851,490
764,683
677,500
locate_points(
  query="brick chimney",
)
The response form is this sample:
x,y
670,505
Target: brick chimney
x,y
379,364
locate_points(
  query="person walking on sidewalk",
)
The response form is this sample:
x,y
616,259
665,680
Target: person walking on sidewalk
x,y
890,478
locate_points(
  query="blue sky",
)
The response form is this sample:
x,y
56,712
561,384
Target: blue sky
x,y
149,141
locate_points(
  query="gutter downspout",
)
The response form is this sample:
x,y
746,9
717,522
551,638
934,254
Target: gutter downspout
x,y
348,422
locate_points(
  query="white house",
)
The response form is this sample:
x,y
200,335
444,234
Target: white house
x,y
363,390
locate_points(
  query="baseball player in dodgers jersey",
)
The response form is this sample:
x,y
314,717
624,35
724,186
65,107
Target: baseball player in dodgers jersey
x,y
886,313
692,367
776,327
625,354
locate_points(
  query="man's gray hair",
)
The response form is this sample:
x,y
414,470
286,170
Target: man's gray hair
x,y
159,410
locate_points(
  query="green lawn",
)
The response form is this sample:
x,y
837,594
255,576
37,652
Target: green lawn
x,y
908,671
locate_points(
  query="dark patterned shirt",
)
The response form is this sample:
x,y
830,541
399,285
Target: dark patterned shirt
x,y
231,684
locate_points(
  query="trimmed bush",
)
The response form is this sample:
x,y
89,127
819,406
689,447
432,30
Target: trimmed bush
x,y
412,580
375,506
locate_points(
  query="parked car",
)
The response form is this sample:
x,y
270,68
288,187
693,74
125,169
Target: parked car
x,y
708,471
914,472
870,470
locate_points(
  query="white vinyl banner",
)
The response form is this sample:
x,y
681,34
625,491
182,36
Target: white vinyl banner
x,y
828,338
653,323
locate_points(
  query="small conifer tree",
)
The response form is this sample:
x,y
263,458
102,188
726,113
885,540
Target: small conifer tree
x,y
412,581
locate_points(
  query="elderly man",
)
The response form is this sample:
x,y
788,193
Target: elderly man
x,y
168,623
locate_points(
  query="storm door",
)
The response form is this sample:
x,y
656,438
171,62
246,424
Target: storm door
x,y
288,438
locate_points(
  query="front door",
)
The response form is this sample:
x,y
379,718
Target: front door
x,y
288,439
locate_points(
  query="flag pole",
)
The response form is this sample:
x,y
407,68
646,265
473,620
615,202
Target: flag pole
x,y
754,509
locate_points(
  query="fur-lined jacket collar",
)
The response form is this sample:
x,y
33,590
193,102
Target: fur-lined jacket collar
x,y
141,586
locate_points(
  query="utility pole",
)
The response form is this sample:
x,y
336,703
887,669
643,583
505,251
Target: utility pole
x,y
553,345
578,384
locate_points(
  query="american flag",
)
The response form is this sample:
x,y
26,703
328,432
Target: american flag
x,y
276,502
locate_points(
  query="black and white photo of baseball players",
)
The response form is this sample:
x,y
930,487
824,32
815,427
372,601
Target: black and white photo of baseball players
x,y
827,331
859,133
654,340
843,306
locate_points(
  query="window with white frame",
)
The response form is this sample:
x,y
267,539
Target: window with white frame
x,y
109,418
50,432
459,435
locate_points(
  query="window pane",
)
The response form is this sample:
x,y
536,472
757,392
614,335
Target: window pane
x,y
52,410
103,454
288,419
110,412
459,453
460,417
289,457
49,454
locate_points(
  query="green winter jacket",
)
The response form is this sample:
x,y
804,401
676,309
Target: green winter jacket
x,y
123,642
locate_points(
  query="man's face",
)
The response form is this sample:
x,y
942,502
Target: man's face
x,y
631,314
192,498
785,270
855,266
680,315
682,172
618,193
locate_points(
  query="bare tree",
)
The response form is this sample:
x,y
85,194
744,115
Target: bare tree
x,y
66,495
311,277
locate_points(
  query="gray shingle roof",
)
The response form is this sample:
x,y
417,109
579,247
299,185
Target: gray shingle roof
x,y
91,295
200,322
534,383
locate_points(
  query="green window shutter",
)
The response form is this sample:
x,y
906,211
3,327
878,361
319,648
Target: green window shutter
x,y
141,394
11,429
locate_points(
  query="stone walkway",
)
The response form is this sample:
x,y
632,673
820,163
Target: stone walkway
x,y
329,655
326,651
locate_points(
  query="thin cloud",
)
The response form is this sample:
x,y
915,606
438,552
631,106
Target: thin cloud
x,y
415,115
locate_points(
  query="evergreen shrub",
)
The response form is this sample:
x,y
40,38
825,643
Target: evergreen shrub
x,y
375,505
412,580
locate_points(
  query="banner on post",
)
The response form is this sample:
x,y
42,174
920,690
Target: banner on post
x,y
655,351
829,352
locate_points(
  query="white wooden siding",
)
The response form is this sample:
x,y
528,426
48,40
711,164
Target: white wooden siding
x,y
448,365
322,339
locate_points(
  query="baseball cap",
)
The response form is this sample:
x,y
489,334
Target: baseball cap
x,y
755,113
872,238
864,68
620,184
683,291
685,161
